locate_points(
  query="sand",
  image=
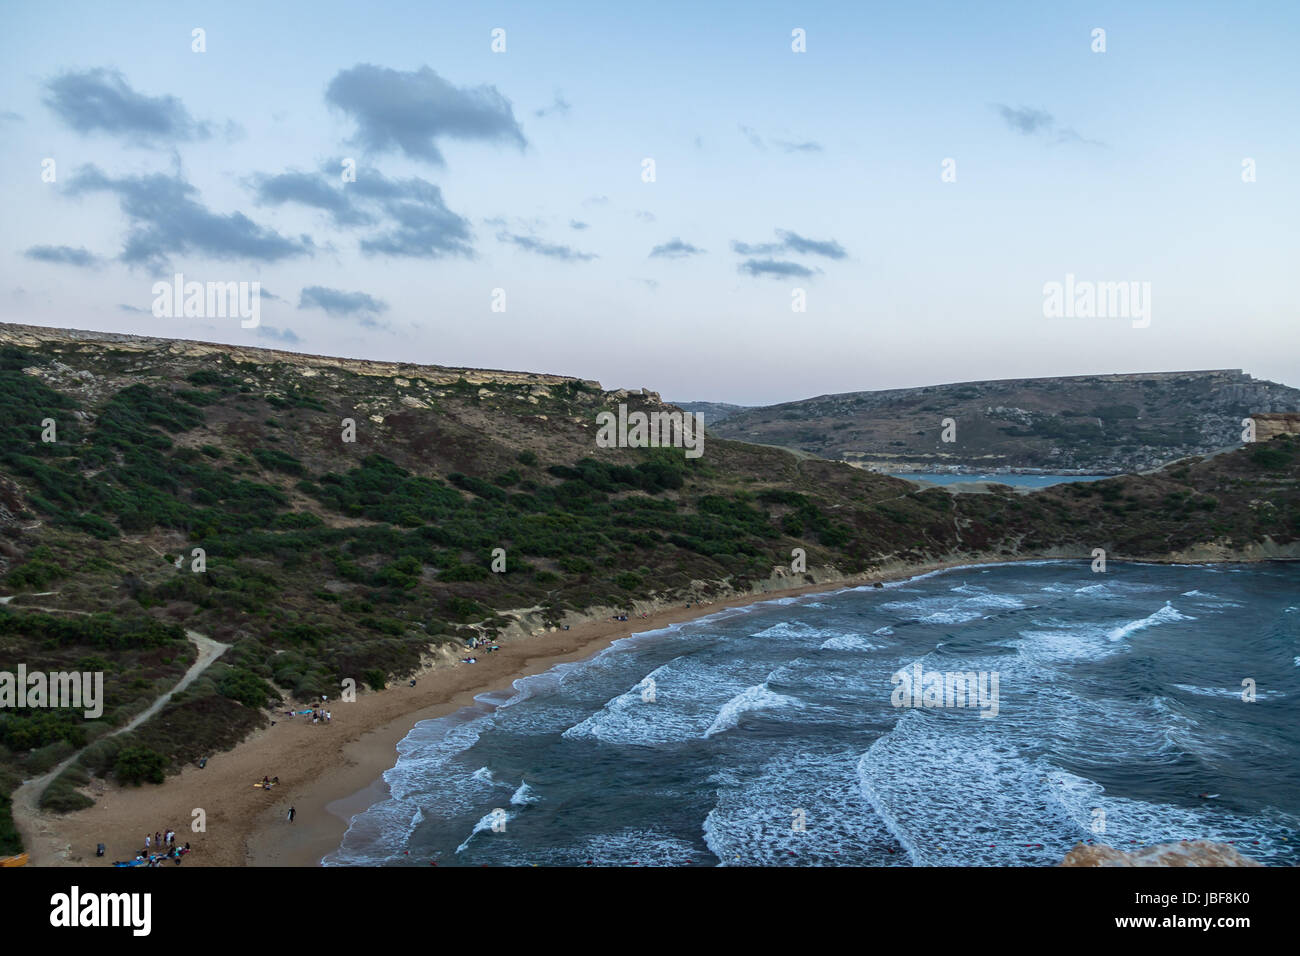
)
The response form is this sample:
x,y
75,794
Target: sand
x,y
329,772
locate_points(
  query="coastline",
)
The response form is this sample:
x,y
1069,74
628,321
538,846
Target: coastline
x,y
331,772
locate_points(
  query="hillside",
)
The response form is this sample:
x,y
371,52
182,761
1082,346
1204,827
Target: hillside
x,y
712,411
1100,424
326,559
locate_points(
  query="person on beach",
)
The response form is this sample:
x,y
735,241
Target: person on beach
x,y
292,813
328,717
146,843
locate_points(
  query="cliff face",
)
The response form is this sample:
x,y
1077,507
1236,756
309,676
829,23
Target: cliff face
x,y
1190,853
1106,424
1271,424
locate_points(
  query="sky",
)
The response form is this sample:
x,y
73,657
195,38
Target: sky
x,y
882,208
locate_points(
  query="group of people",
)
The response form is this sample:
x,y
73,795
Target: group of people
x,y
159,847
319,715
268,782
480,642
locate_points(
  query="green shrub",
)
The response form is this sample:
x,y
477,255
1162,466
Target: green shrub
x,y
243,685
136,764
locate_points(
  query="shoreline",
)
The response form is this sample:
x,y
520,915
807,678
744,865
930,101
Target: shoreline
x,y
331,772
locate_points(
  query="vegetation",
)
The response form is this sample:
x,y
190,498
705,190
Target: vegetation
x,y
324,560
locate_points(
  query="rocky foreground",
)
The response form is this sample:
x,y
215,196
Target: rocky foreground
x,y
1187,853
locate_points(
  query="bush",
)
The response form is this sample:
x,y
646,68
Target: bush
x,y
375,678
136,765
246,687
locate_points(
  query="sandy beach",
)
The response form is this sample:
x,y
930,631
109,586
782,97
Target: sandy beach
x,y
329,772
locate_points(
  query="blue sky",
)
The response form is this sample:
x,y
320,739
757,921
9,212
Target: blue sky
x,y
522,171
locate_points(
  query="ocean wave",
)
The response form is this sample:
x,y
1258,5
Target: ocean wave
x,y
1228,692
524,795
496,818
848,642
1166,615
797,809
759,697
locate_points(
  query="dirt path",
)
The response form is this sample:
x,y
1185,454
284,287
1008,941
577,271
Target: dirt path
x,y
30,821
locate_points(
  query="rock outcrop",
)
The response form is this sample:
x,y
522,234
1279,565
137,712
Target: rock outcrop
x,y
1188,853
1271,424
37,337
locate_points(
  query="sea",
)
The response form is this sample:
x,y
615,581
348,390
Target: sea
x,y
1143,704
1019,481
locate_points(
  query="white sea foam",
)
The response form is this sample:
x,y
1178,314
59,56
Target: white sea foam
x,y
848,642
524,795
1228,692
757,817
485,825
1166,615
759,697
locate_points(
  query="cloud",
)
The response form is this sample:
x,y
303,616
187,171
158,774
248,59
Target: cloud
x,y
788,146
100,100
750,249
266,293
797,243
551,250
775,268
9,116
287,336
64,255
651,284
1030,122
805,147
166,220
1068,135
596,201
417,220
423,226
133,308
674,249
558,106
1025,120
410,111
340,303
791,242
310,189
644,216
575,224
754,139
